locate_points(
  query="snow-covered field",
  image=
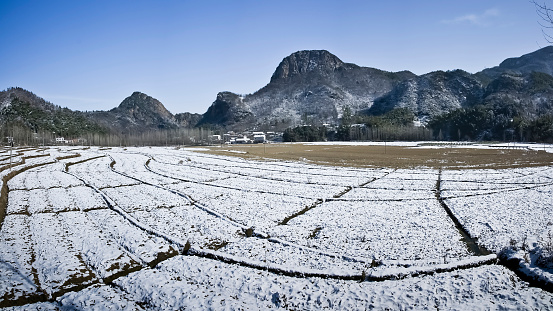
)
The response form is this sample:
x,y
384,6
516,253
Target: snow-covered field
x,y
168,229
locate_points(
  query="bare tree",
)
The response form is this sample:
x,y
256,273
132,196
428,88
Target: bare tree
x,y
545,12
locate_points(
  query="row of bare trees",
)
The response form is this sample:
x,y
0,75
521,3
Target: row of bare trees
x,y
23,136
390,133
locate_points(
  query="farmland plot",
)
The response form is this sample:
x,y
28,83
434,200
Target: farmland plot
x,y
124,216
171,214
199,284
148,249
309,191
44,177
268,170
187,173
252,209
133,164
60,266
405,230
18,281
498,212
53,200
276,171
410,180
7,159
103,176
69,251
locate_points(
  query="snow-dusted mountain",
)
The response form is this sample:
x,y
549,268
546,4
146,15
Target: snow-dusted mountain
x,y
136,114
313,87
538,61
307,86
432,94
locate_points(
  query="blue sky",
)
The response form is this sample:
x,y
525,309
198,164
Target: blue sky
x,y
90,55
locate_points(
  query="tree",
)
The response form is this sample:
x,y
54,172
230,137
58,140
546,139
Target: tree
x,y
347,116
304,133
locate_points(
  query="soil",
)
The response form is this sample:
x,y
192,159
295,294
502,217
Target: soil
x,y
447,157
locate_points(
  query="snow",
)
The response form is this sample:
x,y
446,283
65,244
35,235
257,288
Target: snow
x,y
99,252
59,265
200,284
103,177
17,280
53,200
383,230
99,297
143,246
43,177
503,206
67,235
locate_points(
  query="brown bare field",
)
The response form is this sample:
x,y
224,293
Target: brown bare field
x,y
457,157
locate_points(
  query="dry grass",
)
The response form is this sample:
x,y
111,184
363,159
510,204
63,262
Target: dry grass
x,y
394,157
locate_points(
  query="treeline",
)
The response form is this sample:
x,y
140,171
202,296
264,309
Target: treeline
x,y
483,123
394,125
309,133
477,123
23,136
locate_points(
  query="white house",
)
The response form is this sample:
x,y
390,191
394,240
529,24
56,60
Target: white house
x,y
259,138
243,140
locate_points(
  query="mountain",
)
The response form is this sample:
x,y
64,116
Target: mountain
x,y
306,87
136,113
7,96
21,107
187,119
529,95
227,111
431,94
539,61
314,87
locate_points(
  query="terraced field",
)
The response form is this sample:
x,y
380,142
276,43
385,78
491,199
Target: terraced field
x,y
168,228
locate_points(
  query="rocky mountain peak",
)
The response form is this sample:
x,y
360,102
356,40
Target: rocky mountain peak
x,y
306,61
227,110
140,104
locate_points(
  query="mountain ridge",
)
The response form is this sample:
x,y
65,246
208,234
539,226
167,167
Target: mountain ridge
x,y
314,87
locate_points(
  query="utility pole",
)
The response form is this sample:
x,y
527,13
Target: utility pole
x,y
10,141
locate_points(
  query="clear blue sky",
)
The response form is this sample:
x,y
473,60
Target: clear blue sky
x,y
90,55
